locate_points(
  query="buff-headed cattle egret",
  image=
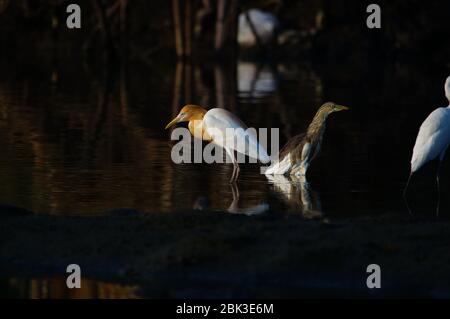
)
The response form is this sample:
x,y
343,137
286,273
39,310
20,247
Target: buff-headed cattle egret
x,y
213,125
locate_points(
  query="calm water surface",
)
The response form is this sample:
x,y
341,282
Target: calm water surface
x,y
86,144
78,141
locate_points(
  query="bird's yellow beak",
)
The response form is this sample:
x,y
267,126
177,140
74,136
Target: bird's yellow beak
x,y
341,108
173,122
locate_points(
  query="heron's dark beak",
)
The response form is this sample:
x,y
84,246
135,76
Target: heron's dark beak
x,y
173,122
341,108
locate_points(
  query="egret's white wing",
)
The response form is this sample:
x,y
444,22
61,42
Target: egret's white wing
x,y
447,88
433,138
244,141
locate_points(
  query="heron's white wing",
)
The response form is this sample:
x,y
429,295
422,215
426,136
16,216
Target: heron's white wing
x,y
239,139
433,138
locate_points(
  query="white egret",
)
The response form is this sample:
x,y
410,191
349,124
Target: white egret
x,y
264,24
212,126
432,140
299,151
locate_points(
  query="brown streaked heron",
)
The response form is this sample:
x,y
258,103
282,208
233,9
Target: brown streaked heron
x,y
213,125
296,156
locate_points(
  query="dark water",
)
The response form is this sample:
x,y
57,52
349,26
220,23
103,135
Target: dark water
x,y
85,140
86,143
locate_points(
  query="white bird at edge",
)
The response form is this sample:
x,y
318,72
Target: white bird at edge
x,y
212,126
432,141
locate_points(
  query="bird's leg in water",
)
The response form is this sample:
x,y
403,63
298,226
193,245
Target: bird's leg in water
x,y
238,170
232,180
438,184
439,194
235,191
235,174
234,207
404,194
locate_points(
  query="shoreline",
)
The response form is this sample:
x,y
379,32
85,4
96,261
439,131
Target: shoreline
x,y
204,254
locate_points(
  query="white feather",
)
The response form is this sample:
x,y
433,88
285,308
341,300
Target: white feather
x,y
447,88
218,120
433,138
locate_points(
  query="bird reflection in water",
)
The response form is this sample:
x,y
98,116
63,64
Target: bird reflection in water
x,y
203,203
297,193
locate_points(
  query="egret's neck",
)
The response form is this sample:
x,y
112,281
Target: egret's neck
x,y
198,130
197,115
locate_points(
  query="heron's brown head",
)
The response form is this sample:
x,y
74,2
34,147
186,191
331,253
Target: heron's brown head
x,y
331,107
188,113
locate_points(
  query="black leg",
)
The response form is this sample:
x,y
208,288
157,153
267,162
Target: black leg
x,y
232,175
238,170
234,207
438,187
235,164
404,194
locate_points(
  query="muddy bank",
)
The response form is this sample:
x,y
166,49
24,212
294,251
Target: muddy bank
x,y
212,254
